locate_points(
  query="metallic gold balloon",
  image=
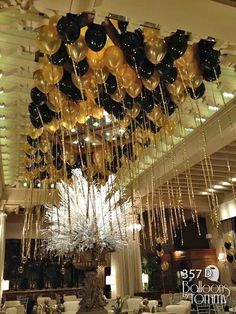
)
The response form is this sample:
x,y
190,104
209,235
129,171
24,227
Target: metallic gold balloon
x,y
28,149
179,99
97,112
34,133
57,99
69,110
82,112
169,127
195,81
161,253
41,83
135,88
53,126
68,122
138,150
78,50
160,240
126,75
155,51
150,34
119,94
124,123
108,155
70,157
165,266
44,145
177,87
134,112
98,158
48,39
95,59
52,73
152,82
113,57
54,19
155,115
101,75
187,58
92,92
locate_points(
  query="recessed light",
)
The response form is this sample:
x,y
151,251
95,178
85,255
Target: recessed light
x,y
218,186
204,193
75,142
108,133
225,183
52,185
87,139
200,119
233,179
2,106
213,108
228,95
1,74
211,190
188,129
96,124
2,117
94,144
114,138
3,128
1,91
38,185
25,184
73,130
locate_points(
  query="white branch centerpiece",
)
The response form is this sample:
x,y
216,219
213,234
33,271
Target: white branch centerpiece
x,y
88,222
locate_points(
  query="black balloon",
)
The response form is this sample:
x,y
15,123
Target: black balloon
x,y
206,44
165,66
68,28
111,84
170,77
117,151
47,115
197,92
81,67
68,88
33,110
129,41
169,108
37,96
227,245
60,57
211,75
122,25
44,175
117,111
147,102
177,45
158,247
146,69
230,258
56,150
141,118
210,58
161,94
33,142
95,37
137,57
36,122
128,102
128,150
153,127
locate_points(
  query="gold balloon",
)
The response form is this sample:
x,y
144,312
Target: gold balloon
x,y
69,122
150,34
48,39
54,19
40,82
70,157
28,149
119,94
155,51
84,82
98,158
92,92
165,266
124,123
69,110
97,112
138,150
135,88
195,81
169,127
113,57
34,133
53,126
187,58
160,253
44,145
152,82
160,240
156,115
108,155
52,73
134,112
126,75
78,50
95,59
179,99
101,75
57,99
177,87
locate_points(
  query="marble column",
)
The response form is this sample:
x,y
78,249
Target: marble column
x,y
2,248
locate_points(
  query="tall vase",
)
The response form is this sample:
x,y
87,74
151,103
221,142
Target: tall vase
x,y
93,300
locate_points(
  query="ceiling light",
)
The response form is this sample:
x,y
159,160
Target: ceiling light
x,y
75,142
1,74
204,193
2,117
200,119
214,108
25,184
1,91
108,133
225,183
233,179
3,128
188,129
52,185
122,130
114,138
73,130
228,95
94,144
38,185
96,124
211,190
87,139
218,186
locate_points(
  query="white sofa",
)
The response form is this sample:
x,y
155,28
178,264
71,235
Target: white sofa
x,y
177,309
20,309
70,298
134,304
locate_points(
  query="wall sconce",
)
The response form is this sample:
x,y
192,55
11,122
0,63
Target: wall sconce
x,y
222,257
5,285
109,280
145,280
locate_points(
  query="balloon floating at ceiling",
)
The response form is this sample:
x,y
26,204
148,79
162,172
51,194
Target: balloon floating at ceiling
x,y
102,94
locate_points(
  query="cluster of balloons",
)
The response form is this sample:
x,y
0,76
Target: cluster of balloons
x,y
231,255
140,81
160,253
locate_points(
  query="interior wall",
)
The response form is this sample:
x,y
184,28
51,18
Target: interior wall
x,y
14,226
